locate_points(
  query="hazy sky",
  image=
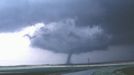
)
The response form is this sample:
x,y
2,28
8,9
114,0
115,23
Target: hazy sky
x,y
46,31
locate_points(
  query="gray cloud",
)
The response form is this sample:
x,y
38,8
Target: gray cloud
x,y
114,18
16,14
66,37
118,20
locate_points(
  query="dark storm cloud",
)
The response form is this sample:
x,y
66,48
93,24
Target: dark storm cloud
x,y
116,17
119,20
66,37
16,14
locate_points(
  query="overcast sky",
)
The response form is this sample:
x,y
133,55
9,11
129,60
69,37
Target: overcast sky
x,y
95,30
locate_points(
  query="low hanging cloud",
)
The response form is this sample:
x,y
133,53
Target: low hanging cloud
x,y
114,17
65,37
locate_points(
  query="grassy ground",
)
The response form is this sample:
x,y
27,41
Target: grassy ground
x,y
128,70
98,69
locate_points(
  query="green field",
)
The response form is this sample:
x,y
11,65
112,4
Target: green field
x,y
122,68
127,70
